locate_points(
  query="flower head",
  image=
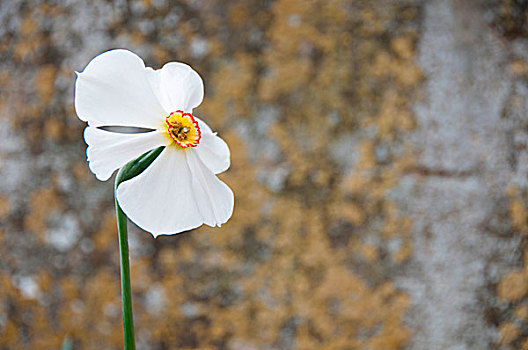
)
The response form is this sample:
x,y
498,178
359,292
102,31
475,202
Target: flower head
x,y
179,190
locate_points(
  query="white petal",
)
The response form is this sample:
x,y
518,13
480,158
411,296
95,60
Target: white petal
x,y
214,198
108,151
176,193
204,128
213,151
178,87
114,89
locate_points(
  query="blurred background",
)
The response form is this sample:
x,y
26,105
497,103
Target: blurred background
x,y
379,163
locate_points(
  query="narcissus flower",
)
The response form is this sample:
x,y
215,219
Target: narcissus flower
x,y
179,190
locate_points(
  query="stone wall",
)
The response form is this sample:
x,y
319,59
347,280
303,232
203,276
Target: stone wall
x,y
379,164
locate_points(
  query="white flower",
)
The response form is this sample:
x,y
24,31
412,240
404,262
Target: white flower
x,y
179,190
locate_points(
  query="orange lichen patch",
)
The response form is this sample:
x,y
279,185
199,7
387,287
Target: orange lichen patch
x,y
385,65
355,183
29,38
382,64
98,309
394,115
368,158
508,332
369,252
403,46
4,207
28,26
232,82
404,253
519,67
10,335
392,222
408,75
237,15
518,213
251,197
4,80
513,286
45,82
43,202
53,129
140,273
137,38
392,336
81,171
8,289
45,281
68,289
350,212
107,232
160,54
289,75
292,52
525,260
371,24
521,312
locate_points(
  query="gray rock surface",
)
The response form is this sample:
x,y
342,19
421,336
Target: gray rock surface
x,y
464,146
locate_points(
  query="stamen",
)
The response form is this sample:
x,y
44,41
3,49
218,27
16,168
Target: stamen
x,y
183,129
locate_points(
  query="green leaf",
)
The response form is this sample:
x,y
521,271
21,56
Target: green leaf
x,y
137,166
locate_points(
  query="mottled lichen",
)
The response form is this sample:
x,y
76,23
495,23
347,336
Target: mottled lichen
x,y
315,100
295,269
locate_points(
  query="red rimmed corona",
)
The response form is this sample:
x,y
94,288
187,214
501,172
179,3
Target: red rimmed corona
x,y
183,129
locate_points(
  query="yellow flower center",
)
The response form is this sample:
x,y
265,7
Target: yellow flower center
x,y
183,129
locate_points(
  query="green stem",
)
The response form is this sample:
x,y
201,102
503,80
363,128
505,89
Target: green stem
x,y
126,295
127,172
